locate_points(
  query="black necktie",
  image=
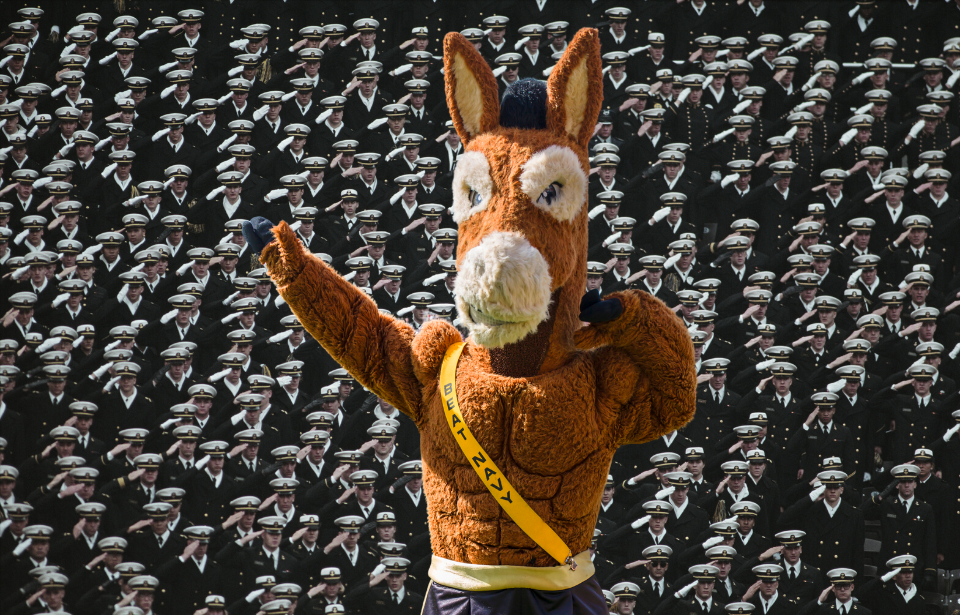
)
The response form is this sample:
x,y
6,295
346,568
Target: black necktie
x,y
792,574
396,599
703,607
160,541
189,464
656,588
716,396
843,610
783,402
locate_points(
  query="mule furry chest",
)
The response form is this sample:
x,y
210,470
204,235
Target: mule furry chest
x,y
519,418
516,423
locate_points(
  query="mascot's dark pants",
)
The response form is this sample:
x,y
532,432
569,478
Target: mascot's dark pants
x,y
583,599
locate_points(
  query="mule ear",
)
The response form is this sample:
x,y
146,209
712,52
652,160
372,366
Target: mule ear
x,y
575,89
472,94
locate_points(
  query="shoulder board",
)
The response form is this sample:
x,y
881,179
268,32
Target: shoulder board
x,y
264,71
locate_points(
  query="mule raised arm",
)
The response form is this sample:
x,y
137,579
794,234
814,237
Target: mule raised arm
x,y
373,347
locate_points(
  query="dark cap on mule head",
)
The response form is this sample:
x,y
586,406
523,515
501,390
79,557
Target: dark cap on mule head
x,y
524,105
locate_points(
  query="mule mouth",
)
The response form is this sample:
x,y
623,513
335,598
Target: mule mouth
x,y
481,318
493,331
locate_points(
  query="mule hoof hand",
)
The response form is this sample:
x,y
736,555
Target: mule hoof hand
x,y
595,310
258,233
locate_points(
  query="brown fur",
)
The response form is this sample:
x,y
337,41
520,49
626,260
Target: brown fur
x,y
525,358
550,409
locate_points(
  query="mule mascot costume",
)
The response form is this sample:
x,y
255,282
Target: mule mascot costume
x,y
519,423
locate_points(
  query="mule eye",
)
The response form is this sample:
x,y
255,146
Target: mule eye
x,y
475,198
550,194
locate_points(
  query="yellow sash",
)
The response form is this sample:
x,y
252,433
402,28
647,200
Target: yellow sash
x,y
500,488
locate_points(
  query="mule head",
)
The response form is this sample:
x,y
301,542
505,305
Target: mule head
x,y
520,194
